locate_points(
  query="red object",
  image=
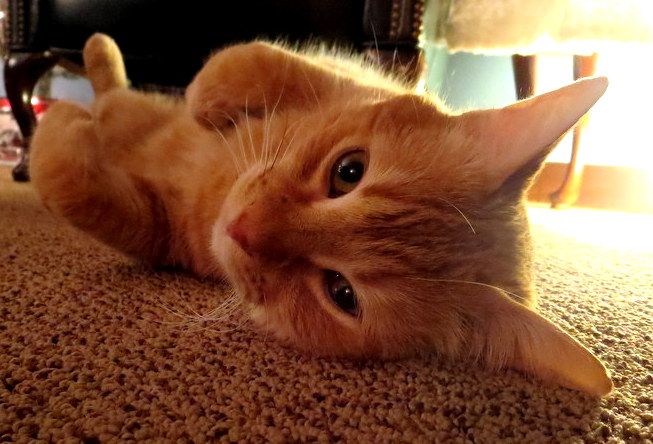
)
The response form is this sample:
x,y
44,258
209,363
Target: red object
x,y
5,107
38,104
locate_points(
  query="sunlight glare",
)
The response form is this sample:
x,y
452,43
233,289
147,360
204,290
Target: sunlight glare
x,y
612,229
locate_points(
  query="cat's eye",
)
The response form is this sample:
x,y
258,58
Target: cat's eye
x,y
341,292
346,172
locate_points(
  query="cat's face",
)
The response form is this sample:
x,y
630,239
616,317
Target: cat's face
x,y
374,225
385,228
347,243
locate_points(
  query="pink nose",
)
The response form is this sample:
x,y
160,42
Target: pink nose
x,y
238,232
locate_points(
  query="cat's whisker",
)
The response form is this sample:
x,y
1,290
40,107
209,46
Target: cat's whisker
x,y
237,326
189,308
217,314
276,151
471,227
462,281
286,149
394,60
292,139
280,144
196,327
240,318
240,138
208,324
270,121
171,310
448,202
178,325
234,158
376,45
195,322
307,96
224,310
226,142
295,126
223,330
417,114
318,103
249,130
266,131
190,318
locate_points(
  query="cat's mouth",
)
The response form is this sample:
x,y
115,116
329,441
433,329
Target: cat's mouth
x,y
249,282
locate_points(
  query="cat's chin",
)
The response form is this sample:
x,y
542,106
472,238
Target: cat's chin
x,y
248,284
242,270
231,259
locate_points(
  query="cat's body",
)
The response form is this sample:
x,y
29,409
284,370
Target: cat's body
x,y
304,179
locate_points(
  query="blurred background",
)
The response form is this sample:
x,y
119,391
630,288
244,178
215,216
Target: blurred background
x,y
469,48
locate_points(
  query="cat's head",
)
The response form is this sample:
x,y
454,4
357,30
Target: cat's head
x,y
387,227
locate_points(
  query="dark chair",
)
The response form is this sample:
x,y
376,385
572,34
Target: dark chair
x,y
165,42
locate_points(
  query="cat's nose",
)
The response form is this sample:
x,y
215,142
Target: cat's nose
x,y
258,235
238,232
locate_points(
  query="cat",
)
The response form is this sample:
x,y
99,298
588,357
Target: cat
x,y
351,215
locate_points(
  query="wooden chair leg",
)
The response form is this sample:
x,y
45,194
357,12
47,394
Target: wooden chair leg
x,y
569,191
524,70
22,71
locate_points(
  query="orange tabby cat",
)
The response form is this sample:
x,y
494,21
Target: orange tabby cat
x,y
352,216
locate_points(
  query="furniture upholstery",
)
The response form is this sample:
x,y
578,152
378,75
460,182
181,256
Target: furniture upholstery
x,y
165,42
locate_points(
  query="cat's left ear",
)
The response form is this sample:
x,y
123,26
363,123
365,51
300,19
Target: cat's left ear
x,y
511,137
506,333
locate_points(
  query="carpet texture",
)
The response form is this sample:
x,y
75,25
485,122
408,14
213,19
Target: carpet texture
x,y
91,351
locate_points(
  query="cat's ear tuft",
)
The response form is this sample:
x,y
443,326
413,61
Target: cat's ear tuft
x,y
510,138
509,334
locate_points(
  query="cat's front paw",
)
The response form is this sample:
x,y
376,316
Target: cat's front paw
x,y
238,83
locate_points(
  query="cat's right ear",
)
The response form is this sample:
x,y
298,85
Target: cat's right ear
x,y
508,139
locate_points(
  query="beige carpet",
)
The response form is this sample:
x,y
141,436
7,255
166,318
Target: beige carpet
x,y
90,351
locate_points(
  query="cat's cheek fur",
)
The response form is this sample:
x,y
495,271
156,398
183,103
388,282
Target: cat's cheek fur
x,y
295,318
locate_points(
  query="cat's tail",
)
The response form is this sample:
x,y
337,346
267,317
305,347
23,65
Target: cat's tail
x,y
104,64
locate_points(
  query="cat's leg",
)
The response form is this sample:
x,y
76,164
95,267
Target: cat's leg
x,y
77,181
257,77
83,163
103,63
